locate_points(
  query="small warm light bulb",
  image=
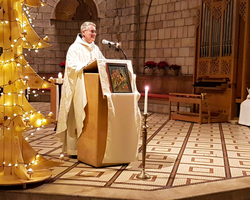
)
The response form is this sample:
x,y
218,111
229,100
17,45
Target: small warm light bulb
x,y
46,38
30,171
39,122
61,157
50,114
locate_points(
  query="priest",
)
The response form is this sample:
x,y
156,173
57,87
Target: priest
x,y
73,99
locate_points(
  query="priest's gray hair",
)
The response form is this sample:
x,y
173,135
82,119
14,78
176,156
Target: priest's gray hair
x,y
85,25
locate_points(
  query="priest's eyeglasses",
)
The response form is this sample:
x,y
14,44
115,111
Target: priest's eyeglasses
x,y
92,31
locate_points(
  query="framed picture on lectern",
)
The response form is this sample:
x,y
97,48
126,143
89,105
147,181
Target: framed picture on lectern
x,y
118,78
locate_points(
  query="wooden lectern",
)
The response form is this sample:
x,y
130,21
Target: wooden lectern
x,y
110,134
92,142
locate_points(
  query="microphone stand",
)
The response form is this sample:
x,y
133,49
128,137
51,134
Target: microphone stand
x,y
117,48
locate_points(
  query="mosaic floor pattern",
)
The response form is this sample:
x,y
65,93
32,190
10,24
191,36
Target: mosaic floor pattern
x,y
178,154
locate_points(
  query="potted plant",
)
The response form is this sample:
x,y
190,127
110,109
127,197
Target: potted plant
x,y
150,67
175,68
62,65
162,67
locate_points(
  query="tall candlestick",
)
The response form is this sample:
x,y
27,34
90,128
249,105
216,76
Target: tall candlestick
x,y
60,78
146,100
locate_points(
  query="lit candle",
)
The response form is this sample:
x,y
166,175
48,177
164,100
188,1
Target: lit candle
x,y
146,100
60,78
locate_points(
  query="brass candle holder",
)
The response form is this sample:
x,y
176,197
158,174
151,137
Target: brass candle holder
x,y
143,174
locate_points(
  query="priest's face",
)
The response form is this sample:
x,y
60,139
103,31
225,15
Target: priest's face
x,y
89,35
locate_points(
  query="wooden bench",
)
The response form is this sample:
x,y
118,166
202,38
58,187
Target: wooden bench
x,y
200,103
158,96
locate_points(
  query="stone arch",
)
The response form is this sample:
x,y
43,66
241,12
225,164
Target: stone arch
x,y
68,10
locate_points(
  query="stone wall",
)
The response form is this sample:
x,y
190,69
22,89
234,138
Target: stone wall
x,y
169,36
171,33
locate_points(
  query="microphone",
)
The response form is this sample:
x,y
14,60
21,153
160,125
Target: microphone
x,y
109,43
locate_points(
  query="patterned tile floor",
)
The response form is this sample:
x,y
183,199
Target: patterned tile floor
x,y
183,159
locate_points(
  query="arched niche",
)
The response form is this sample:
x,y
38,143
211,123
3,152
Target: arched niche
x,y
68,10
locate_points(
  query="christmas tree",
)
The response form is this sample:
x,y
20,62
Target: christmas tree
x,y
19,162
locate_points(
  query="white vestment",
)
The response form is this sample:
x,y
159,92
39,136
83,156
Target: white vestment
x,y
244,118
73,98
